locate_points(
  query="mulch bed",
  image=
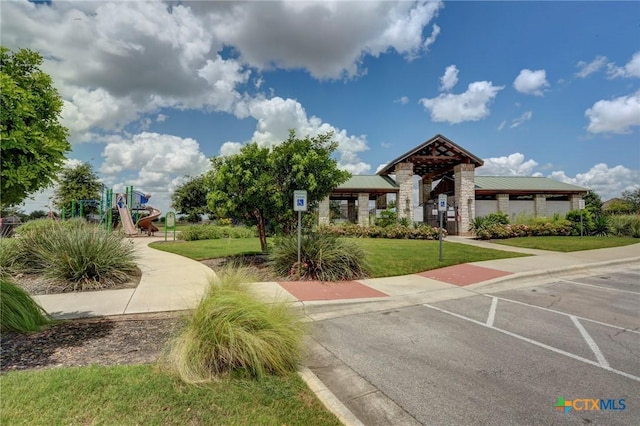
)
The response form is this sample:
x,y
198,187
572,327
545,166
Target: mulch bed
x,y
126,339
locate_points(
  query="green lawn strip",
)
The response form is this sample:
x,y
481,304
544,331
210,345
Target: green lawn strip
x,y
210,249
567,244
388,257
140,394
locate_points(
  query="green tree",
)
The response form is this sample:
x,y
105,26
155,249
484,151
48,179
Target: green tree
x,y
593,203
190,198
77,183
33,140
619,206
256,185
633,198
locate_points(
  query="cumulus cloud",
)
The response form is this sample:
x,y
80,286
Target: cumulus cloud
x,y
276,116
630,69
152,162
328,39
449,79
618,115
588,68
531,82
511,165
472,105
608,182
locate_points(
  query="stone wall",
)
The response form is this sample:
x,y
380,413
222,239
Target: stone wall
x,y
363,209
324,212
540,205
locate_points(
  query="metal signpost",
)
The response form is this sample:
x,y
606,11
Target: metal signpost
x,y
442,208
299,205
170,223
581,207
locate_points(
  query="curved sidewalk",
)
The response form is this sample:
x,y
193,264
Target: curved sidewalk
x,y
173,283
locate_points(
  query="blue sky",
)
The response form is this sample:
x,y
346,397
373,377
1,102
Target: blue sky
x,y
152,90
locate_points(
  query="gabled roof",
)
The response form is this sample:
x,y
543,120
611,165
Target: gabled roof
x,y
434,158
522,184
368,183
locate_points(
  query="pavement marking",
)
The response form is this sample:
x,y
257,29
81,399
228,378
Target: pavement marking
x,y
592,344
492,311
536,343
602,288
627,330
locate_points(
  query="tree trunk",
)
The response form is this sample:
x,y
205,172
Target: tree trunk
x,y
262,234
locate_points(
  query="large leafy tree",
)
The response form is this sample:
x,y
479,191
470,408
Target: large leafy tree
x,y
190,198
33,140
77,183
632,197
257,184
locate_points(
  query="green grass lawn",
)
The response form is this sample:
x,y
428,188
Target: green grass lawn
x,y
386,257
400,257
567,244
210,249
140,394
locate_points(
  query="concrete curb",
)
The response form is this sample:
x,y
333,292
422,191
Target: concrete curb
x,y
328,399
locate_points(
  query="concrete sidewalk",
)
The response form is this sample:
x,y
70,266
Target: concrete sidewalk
x,y
174,283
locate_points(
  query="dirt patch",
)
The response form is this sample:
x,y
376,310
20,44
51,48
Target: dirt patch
x,y
37,285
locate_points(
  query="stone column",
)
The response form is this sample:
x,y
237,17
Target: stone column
x,y
503,203
540,205
351,211
465,194
363,209
404,179
424,193
574,201
324,212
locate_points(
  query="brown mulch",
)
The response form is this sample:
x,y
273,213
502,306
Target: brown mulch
x,y
125,339
115,340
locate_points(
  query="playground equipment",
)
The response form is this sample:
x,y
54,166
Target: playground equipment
x,y
129,206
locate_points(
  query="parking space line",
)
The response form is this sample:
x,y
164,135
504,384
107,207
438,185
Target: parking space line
x,y
600,287
536,343
592,344
492,311
627,330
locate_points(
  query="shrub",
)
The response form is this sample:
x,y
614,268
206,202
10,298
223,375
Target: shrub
x,y
625,225
416,231
322,257
499,231
213,232
586,226
481,222
8,256
83,255
601,226
18,311
233,331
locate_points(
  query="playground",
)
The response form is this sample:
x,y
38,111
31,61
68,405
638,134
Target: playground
x,y
128,211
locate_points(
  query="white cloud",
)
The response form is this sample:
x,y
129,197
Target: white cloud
x,y
502,124
449,79
153,163
435,32
526,116
230,148
631,69
531,82
402,100
608,182
511,165
587,69
615,116
161,118
276,116
472,105
328,39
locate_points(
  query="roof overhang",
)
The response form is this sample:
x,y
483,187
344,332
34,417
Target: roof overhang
x,y
434,158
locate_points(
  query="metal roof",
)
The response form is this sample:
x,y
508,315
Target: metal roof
x,y
524,183
434,158
368,182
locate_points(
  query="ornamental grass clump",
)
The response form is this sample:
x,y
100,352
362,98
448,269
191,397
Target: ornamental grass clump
x,y
18,311
78,255
322,257
232,331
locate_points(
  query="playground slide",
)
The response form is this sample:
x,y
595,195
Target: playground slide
x,y
146,222
127,223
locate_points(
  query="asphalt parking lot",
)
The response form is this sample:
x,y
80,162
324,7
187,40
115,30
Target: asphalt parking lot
x,y
504,357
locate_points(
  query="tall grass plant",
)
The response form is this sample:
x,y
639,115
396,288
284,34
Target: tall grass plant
x,y
232,332
18,311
